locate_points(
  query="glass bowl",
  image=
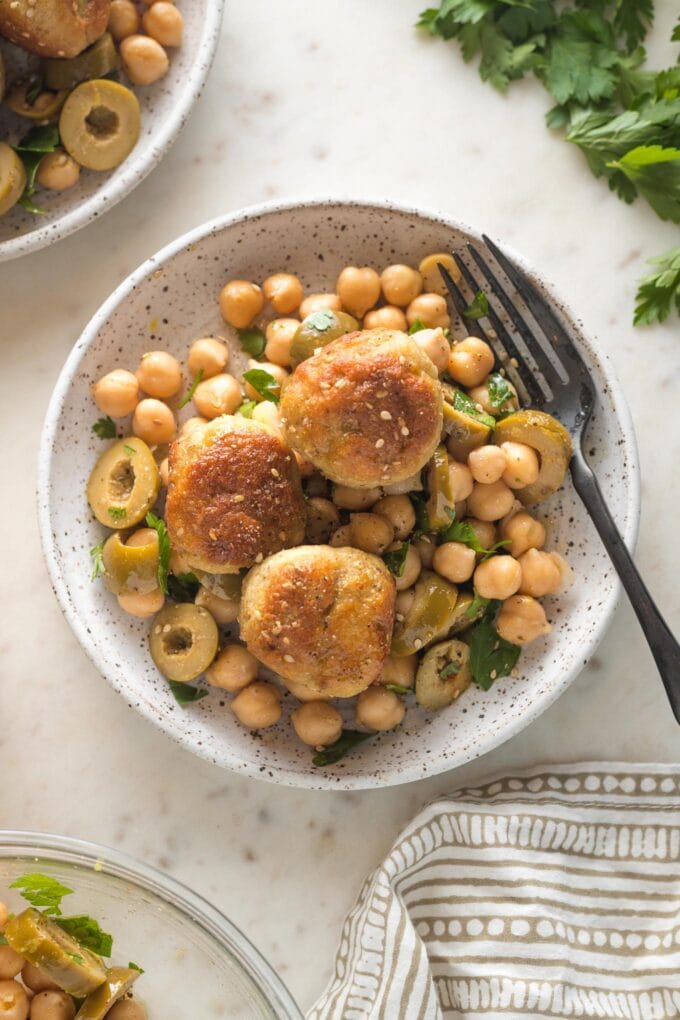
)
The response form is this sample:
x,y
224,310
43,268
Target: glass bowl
x,y
196,963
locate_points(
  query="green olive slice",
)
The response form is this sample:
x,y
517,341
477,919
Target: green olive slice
x,y
96,61
118,981
552,443
44,107
12,178
465,433
183,641
99,124
317,330
130,568
462,618
443,675
225,586
42,942
124,484
439,488
429,617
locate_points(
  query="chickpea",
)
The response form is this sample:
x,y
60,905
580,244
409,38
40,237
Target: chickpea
x,y
53,1006
267,413
341,537
490,502
116,393
354,499
540,574
430,309
370,532
487,464
279,334
142,605
317,723
207,355
566,575
425,548
303,693
320,303
284,292
498,577
4,914
58,171
143,536
305,467
258,705
412,567
401,285
144,59
432,278
387,317
154,422
127,1009
398,510
403,603
322,520
240,302
484,530
13,1001
164,23
193,423
164,471
522,465
470,361
358,289
37,980
276,371
524,532
219,395
233,669
379,709
433,343
10,963
400,670
480,395
521,620
123,19
159,374
460,480
223,611
455,561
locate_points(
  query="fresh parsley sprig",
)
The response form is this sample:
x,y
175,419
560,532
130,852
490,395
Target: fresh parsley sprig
x,y
46,893
264,383
478,307
661,290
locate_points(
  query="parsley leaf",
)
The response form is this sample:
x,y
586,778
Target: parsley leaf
x,y
419,501
42,891
397,689
135,966
192,389
264,383
632,19
479,307
655,172
129,449
185,694
321,321
3,940
466,405
345,743
463,531
450,669
105,428
416,326
247,407
479,604
158,524
88,933
31,149
657,293
500,391
117,512
96,552
491,656
252,341
395,559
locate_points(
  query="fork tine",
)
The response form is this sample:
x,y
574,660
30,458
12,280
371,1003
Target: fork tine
x,y
460,304
543,362
553,329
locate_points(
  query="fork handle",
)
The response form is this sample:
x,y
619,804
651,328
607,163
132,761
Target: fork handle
x,y
662,644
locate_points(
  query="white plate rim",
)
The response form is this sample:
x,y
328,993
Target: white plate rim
x,y
283,776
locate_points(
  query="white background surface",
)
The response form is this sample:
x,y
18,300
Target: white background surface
x,y
313,97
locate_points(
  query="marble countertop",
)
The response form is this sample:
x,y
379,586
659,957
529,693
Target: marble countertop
x,y
311,98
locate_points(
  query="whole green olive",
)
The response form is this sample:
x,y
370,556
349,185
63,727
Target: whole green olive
x,y
317,330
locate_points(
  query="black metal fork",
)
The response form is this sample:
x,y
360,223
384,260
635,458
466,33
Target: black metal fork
x,y
550,374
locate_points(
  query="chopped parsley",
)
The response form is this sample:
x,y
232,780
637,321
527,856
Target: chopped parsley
x,y
397,688
491,656
88,933
478,605
321,321
464,532
97,556
185,694
478,307
346,742
42,891
135,966
189,395
31,149
499,389
130,450
466,405
246,409
105,428
252,341
264,383
419,501
117,512
395,559
450,669
158,524
416,327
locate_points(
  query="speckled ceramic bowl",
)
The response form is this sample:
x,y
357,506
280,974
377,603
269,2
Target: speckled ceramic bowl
x,y
172,299
165,105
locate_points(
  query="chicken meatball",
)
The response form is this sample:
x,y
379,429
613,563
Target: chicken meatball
x,y
366,409
321,617
234,495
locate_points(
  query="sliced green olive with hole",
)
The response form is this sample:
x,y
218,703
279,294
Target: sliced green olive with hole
x,y
131,568
44,107
12,178
225,586
443,675
551,441
183,641
118,981
124,484
42,942
99,124
462,617
96,61
429,617
439,488
317,330
465,432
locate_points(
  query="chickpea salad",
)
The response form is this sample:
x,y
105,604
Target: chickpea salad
x,y
348,522
56,967
72,107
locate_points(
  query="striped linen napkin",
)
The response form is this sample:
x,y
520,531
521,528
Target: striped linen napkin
x,y
553,893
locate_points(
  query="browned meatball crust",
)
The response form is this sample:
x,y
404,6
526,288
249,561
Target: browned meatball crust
x,y
320,617
234,495
366,409
53,28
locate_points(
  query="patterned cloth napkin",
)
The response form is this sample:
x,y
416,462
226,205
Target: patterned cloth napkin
x,y
554,893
